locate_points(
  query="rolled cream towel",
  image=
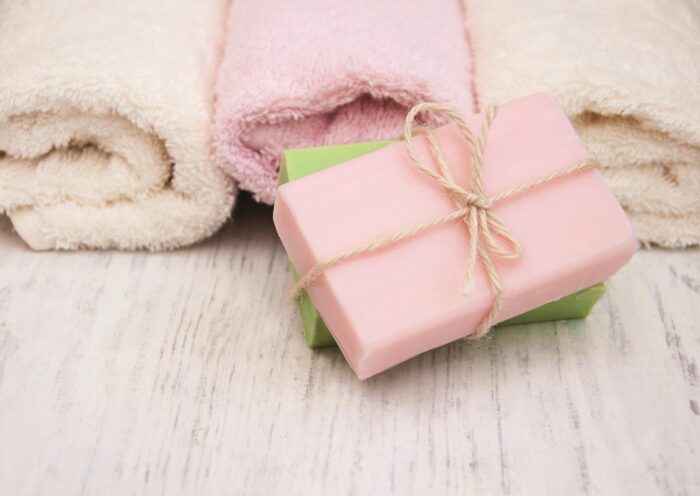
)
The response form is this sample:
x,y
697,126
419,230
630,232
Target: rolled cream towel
x,y
105,110
627,72
300,73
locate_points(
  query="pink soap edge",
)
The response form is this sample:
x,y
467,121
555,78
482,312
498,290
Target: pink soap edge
x,y
334,310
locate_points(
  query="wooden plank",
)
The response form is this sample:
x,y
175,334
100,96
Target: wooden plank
x,y
185,372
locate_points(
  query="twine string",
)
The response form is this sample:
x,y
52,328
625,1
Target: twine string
x,y
489,239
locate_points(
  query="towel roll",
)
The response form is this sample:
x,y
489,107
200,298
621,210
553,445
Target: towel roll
x,y
105,111
302,73
627,72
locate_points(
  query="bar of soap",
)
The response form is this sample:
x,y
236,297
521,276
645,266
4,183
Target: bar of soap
x,y
300,162
393,304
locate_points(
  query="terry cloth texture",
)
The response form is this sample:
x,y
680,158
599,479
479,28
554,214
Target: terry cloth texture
x,y
627,72
302,73
105,111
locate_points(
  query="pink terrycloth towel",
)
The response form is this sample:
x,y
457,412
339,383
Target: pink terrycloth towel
x,y
302,73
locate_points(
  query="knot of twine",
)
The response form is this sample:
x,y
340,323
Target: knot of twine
x,y
489,239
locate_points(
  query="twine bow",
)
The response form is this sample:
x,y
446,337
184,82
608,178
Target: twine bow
x,y
489,239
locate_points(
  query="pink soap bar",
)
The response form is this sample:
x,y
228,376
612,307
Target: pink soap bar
x,y
388,306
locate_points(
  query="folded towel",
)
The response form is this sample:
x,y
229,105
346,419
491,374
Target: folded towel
x,y
627,72
105,110
316,72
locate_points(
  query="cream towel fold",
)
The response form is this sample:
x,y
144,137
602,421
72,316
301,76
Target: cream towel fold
x,y
105,110
628,73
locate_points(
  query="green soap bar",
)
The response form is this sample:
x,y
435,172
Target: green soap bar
x,y
574,306
301,162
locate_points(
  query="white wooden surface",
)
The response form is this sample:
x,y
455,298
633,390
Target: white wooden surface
x,y
185,372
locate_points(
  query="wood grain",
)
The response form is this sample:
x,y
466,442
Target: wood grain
x,y
186,373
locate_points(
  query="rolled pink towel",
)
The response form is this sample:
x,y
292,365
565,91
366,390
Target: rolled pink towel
x,y
317,72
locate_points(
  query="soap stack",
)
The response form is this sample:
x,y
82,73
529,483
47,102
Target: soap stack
x,y
388,305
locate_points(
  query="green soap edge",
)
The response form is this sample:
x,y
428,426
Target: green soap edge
x,y
300,162
309,160
574,306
